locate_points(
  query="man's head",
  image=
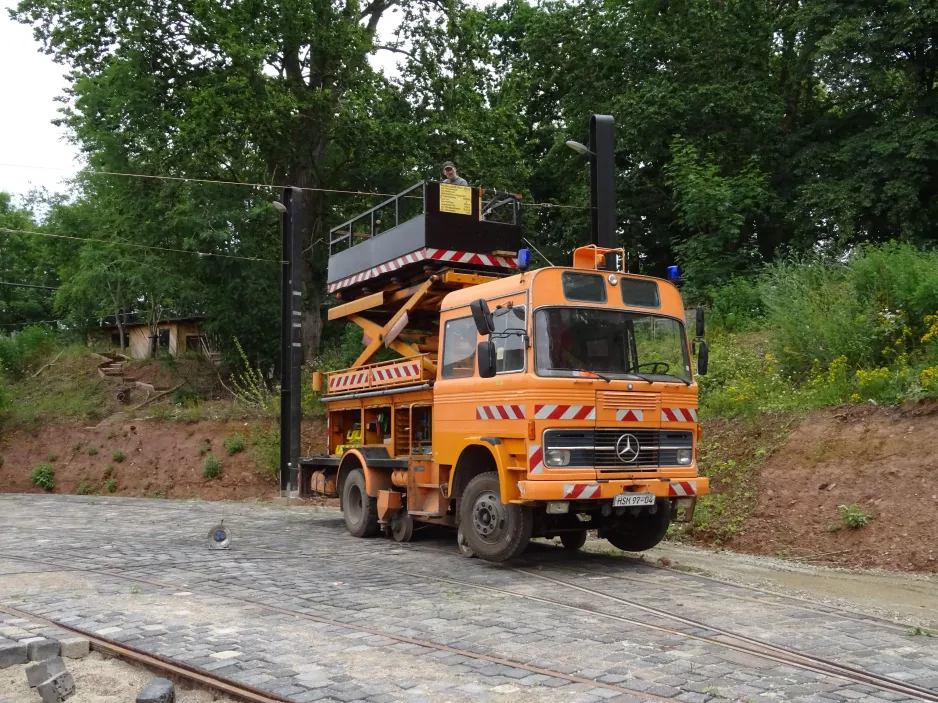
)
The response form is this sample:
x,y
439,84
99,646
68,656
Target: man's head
x,y
449,170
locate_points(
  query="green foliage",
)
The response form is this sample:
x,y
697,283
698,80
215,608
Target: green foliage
x,y
109,471
110,485
266,452
234,443
117,455
26,349
852,516
44,476
86,487
185,395
249,385
92,450
52,457
211,467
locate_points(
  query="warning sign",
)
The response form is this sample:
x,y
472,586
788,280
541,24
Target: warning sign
x,y
456,199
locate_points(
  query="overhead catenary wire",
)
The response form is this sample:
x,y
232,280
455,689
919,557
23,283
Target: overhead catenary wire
x,y
97,172
119,242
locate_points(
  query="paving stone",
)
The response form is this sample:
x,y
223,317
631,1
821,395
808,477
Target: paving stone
x,y
40,671
12,653
57,689
40,648
74,646
158,691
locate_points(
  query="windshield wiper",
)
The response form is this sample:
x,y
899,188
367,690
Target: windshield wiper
x,y
652,381
595,373
642,377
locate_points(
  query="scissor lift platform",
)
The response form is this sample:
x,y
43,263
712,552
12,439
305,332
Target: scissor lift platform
x,y
428,227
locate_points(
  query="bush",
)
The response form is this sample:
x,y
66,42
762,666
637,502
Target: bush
x,y
266,453
234,443
736,306
26,349
110,485
211,468
44,477
185,395
852,516
92,450
117,455
86,487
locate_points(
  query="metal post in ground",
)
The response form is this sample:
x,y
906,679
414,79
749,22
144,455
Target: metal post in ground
x,y
291,344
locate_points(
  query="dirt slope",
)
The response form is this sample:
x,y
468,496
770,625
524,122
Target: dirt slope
x,y
161,459
883,460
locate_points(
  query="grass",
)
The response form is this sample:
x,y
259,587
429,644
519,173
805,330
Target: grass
x,y
52,457
211,467
234,443
92,450
109,471
110,485
265,451
920,632
118,456
44,477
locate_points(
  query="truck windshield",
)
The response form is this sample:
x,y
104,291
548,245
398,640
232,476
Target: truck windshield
x,y
616,343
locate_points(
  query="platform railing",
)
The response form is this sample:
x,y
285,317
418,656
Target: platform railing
x,y
385,374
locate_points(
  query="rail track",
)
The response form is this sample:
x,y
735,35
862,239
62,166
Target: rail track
x,y
722,638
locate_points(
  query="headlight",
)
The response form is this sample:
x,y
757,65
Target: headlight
x,y
557,457
685,456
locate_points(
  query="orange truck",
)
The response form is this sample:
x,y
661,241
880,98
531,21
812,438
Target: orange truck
x,y
520,403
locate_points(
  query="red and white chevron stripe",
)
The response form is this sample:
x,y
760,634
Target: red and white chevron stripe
x,y
392,373
629,415
346,380
581,491
564,412
457,257
680,489
535,459
678,414
500,412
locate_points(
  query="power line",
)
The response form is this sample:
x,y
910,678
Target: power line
x,y
138,246
31,322
26,285
97,172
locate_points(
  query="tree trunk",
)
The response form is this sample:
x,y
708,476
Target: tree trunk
x,y
120,331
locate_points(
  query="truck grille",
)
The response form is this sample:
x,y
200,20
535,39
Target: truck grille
x,y
597,448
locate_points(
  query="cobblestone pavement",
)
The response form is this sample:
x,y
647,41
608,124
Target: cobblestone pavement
x,y
300,608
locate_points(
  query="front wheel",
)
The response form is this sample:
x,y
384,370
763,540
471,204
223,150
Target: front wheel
x,y
636,533
494,531
359,509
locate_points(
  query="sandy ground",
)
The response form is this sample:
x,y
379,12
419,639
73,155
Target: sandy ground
x,y
98,679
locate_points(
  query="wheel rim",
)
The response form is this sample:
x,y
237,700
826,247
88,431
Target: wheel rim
x,y
355,503
489,517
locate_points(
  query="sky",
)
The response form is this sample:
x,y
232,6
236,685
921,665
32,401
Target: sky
x,y
29,83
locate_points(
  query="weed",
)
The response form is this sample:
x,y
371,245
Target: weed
x,y
52,457
205,449
77,447
853,516
110,485
158,494
920,631
184,395
135,590
712,691
117,455
265,451
234,443
92,451
86,487
211,468
109,471
44,477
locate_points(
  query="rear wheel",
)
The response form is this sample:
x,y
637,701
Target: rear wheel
x,y
636,533
573,540
493,530
359,509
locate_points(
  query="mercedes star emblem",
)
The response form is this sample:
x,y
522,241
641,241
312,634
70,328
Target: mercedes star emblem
x,y
627,448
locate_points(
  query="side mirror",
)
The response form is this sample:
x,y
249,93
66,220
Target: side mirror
x,y
486,356
703,359
700,321
482,317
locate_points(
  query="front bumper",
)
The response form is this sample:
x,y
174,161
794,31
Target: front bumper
x,y
605,490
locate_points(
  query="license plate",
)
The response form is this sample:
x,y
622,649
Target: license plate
x,y
627,500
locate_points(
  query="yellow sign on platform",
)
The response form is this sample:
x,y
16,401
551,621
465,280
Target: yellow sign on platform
x,y
456,199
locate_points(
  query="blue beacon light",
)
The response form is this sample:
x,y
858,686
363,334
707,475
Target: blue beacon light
x,y
524,258
673,273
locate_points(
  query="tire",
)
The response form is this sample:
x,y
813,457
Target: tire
x,y
402,526
359,509
573,540
494,531
641,532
